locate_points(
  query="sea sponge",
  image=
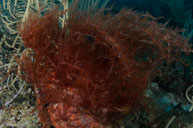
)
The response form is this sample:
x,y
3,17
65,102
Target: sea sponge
x,y
96,65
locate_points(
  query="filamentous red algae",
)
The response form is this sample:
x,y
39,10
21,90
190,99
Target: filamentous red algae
x,y
96,65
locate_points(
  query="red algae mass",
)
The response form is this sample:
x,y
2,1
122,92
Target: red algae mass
x,y
96,65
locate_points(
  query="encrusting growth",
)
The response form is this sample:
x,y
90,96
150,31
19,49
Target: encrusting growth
x,y
96,65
